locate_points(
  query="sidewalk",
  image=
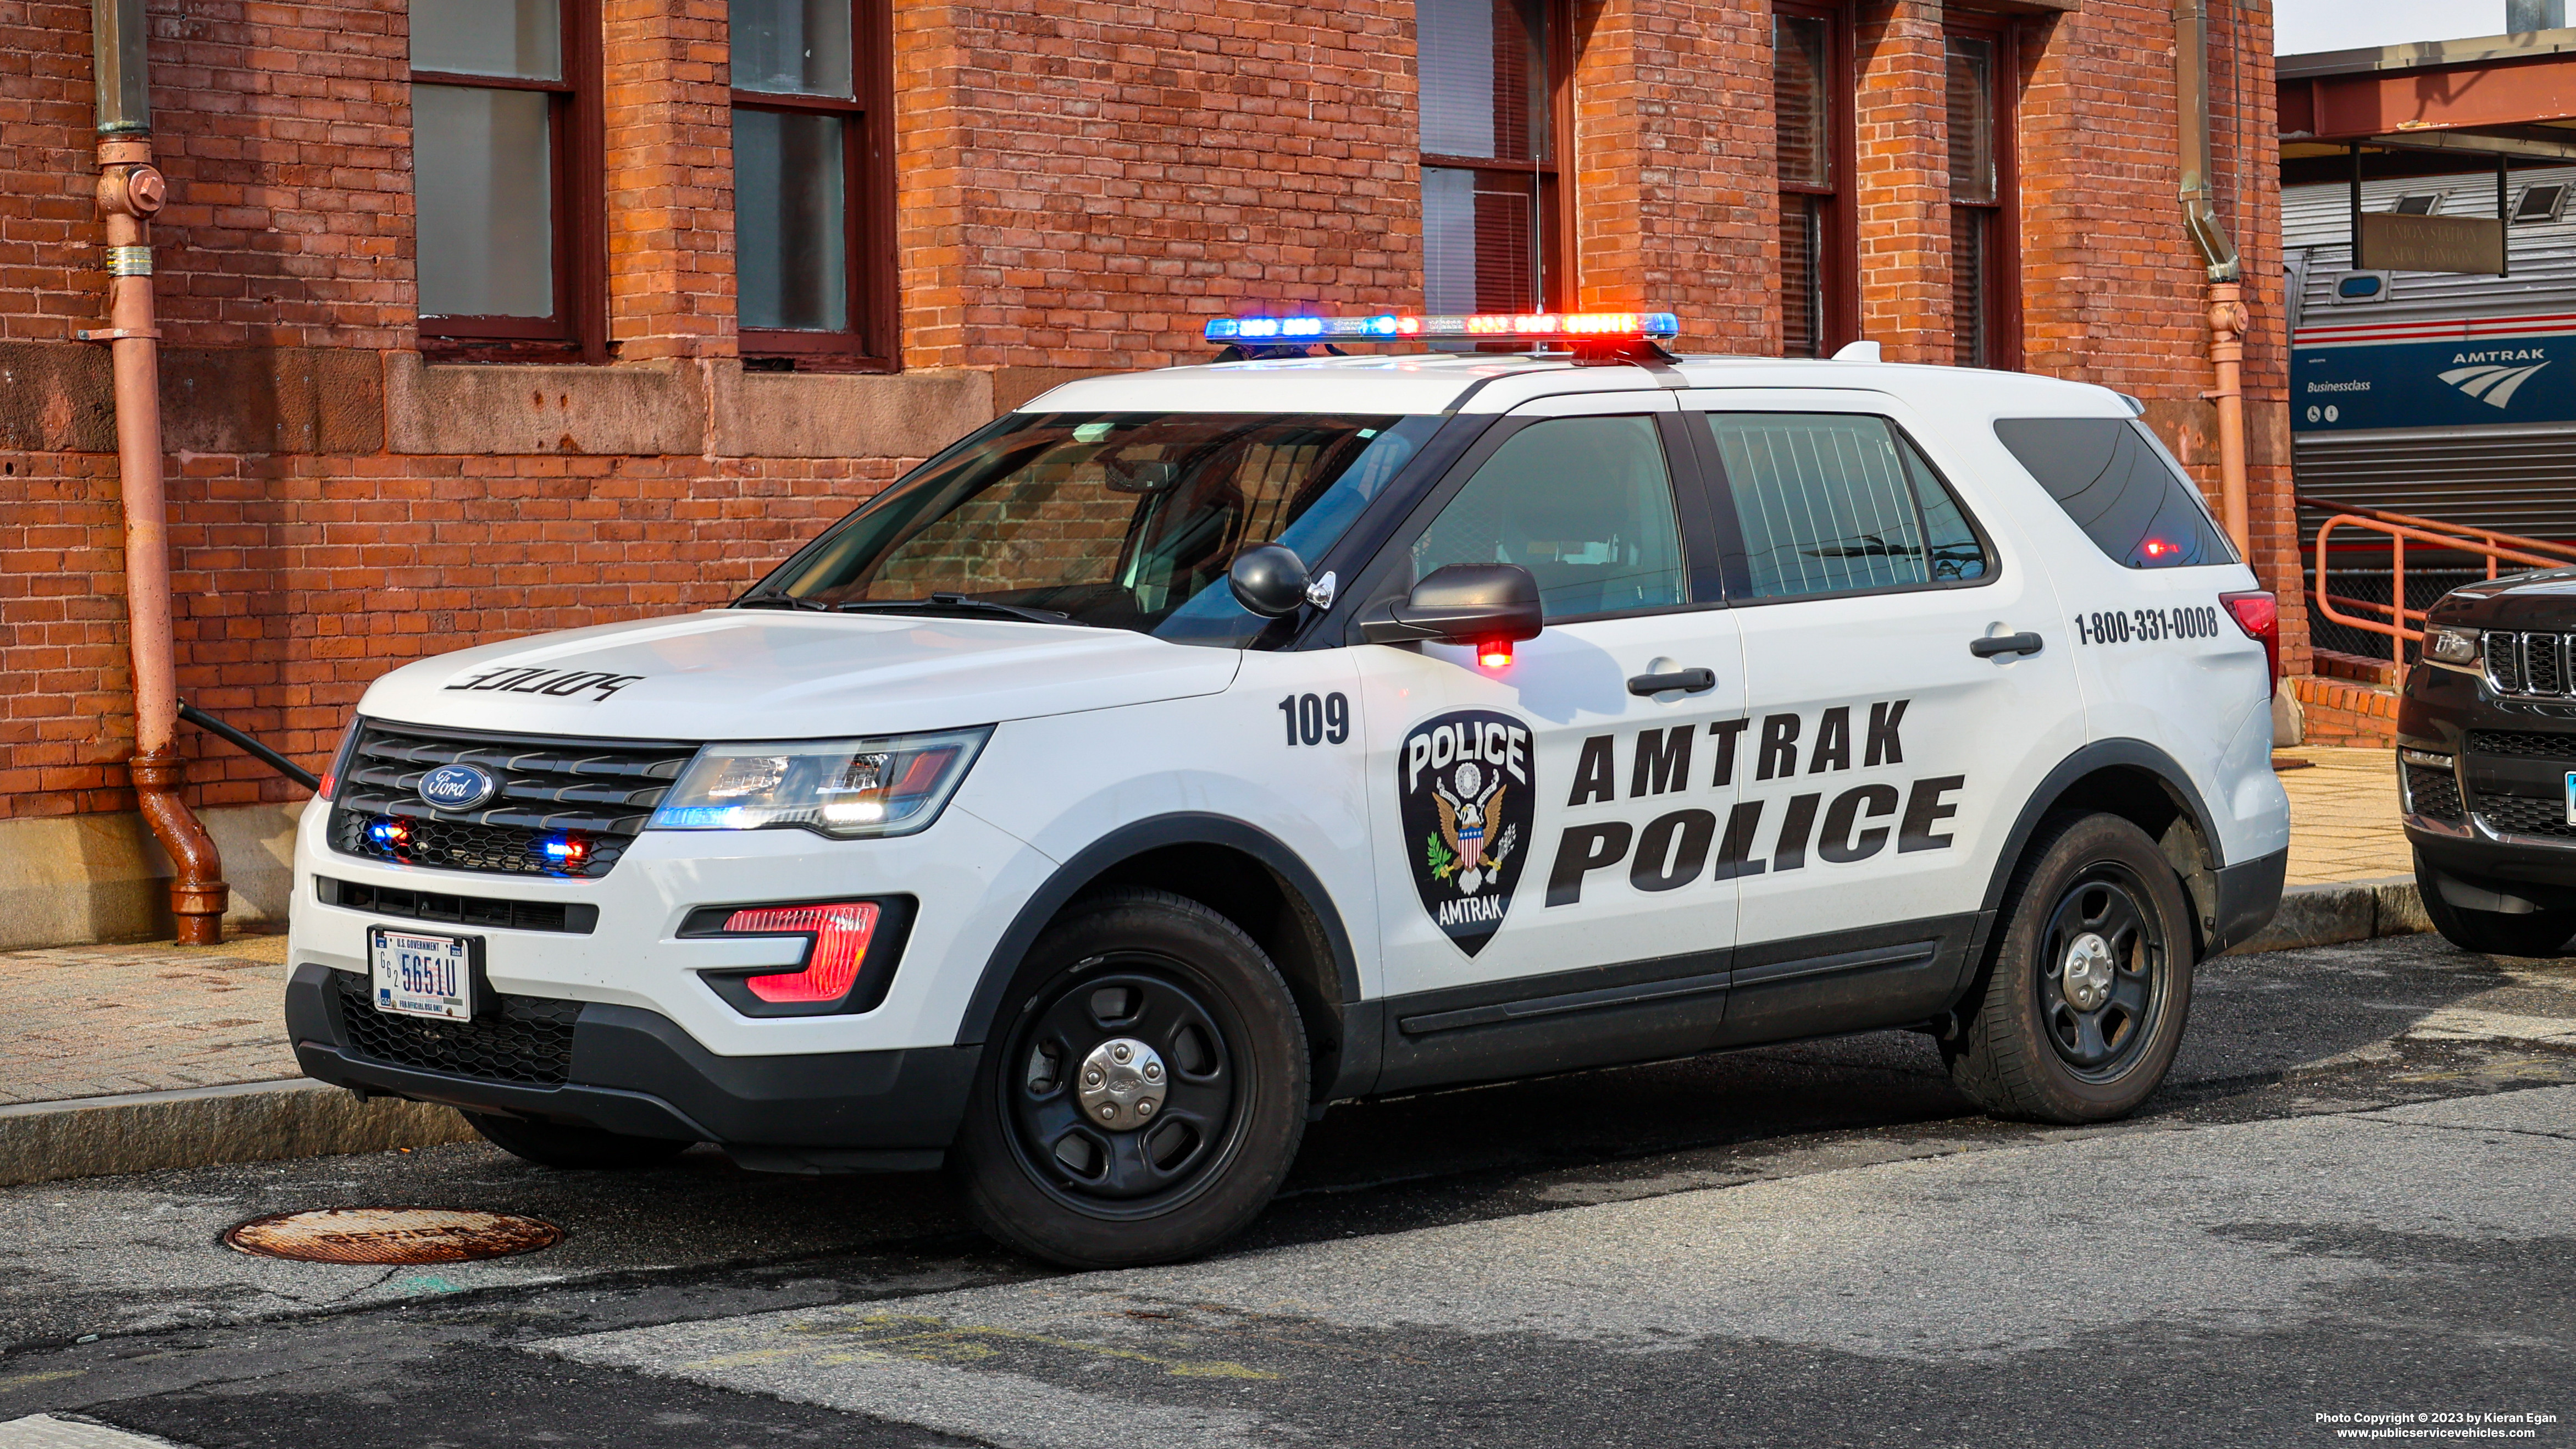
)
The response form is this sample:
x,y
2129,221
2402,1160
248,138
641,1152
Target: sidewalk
x,y
131,1057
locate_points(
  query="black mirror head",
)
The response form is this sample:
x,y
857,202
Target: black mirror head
x,y
1269,579
1464,604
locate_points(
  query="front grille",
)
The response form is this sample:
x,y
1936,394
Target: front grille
x,y
2433,793
2529,664
2531,744
2524,815
523,1039
597,792
463,910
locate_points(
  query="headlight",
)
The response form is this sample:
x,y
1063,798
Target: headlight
x,y
2446,645
890,785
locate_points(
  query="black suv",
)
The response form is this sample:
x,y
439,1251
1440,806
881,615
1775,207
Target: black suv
x,y
2486,757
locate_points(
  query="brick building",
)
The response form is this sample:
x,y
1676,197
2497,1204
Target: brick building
x,y
482,317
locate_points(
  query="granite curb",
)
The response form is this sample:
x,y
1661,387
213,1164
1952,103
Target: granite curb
x,y
2350,910
297,1117
202,1126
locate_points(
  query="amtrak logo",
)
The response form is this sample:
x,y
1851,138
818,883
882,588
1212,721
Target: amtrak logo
x,y
2492,383
1468,787
457,787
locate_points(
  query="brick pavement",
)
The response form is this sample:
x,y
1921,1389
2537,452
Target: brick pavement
x,y
95,1021
2343,817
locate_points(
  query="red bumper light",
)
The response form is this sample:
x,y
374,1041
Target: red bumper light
x,y
2259,615
840,933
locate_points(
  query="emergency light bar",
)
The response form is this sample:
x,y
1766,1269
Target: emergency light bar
x,y
1483,327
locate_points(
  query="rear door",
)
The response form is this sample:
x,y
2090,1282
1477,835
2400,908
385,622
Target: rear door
x,y
1910,680
1548,839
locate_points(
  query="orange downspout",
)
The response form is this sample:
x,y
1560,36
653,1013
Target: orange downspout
x,y
2229,318
130,190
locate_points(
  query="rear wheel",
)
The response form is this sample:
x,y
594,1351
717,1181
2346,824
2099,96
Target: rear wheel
x,y
551,1144
1141,1101
2083,1007
2492,933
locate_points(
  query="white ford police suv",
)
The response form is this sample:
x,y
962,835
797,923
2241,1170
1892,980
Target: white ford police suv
x,y
1191,749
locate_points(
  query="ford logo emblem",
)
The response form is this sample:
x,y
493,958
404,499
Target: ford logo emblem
x,y
457,787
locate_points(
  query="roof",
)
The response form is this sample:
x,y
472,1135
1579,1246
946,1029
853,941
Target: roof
x,y
1426,383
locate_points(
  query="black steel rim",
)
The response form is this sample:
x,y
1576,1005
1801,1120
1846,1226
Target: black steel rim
x,y
2108,901
1140,1171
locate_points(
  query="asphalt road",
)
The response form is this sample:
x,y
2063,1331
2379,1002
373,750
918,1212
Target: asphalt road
x,y
2357,1196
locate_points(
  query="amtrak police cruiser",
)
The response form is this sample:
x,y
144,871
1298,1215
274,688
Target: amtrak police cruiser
x,y
1190,750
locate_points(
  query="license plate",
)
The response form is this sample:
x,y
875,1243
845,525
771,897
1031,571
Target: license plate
x,y
416,974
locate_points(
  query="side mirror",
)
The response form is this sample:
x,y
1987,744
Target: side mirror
x,y
1462,604
1269,579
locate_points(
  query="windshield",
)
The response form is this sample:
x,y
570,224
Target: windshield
x,y
1118,520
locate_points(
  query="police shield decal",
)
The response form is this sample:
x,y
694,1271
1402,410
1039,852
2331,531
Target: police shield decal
x,y
1468,785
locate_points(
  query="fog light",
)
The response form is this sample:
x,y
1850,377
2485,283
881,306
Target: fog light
x,y
841,933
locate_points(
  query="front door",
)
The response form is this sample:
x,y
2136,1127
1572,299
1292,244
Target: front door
x,y
1547,831
1893,732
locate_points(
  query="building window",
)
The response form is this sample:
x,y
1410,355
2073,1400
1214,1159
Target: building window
x,y
1497,117
510,246
1984,242
813,193
1819,258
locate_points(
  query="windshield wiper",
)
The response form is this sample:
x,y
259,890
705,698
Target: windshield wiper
x,y
957,604
781,601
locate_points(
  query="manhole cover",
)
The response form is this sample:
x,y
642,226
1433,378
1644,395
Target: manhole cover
x,y
391,1235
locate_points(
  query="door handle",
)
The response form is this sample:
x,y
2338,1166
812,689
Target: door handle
x,y
1992,645
1689,681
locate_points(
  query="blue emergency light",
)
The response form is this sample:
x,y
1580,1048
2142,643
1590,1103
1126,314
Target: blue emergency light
x,y
1480,327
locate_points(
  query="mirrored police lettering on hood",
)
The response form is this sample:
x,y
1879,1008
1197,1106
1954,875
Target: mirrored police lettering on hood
x,y
1468,787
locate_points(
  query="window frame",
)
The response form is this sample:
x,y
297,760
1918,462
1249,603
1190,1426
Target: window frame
x,y
577,163
1838,246
2002,290
1390,555
869,283
1735,556
1559,240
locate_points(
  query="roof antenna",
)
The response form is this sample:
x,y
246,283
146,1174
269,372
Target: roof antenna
x,y
1859,352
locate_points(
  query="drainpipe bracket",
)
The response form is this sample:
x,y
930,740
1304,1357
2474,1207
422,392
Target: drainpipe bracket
x,y
117,334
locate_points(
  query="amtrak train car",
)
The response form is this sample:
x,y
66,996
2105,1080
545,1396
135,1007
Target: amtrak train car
x,y
2433,393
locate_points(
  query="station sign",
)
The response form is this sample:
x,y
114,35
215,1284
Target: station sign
x,y
2433,375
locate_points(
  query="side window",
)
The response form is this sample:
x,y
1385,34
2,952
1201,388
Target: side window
x,y
1833,503
1585,504
2115,482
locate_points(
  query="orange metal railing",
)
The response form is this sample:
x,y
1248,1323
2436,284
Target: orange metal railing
x,y
2441,537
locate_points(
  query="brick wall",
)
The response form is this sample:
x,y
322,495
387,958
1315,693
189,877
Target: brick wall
x,y
299,579
1082,186
1079,187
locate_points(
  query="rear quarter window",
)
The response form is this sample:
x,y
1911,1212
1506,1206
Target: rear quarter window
x,y
2119,487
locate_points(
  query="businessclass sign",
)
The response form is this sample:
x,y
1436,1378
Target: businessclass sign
x,y
2397,376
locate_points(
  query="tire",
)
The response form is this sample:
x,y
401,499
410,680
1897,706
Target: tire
x,y
2491,933
1202,1017
551,1144
2092,895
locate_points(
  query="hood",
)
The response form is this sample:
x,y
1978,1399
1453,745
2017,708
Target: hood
x,y
2545,600
737,674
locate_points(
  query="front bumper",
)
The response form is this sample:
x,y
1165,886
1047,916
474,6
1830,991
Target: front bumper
x,y
636,1072
2460,834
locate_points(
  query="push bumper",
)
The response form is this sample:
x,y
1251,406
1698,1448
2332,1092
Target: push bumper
x,y
636,1072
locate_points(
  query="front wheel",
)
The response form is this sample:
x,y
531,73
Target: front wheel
x,y
2491,933
2083,1007
1142,1100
